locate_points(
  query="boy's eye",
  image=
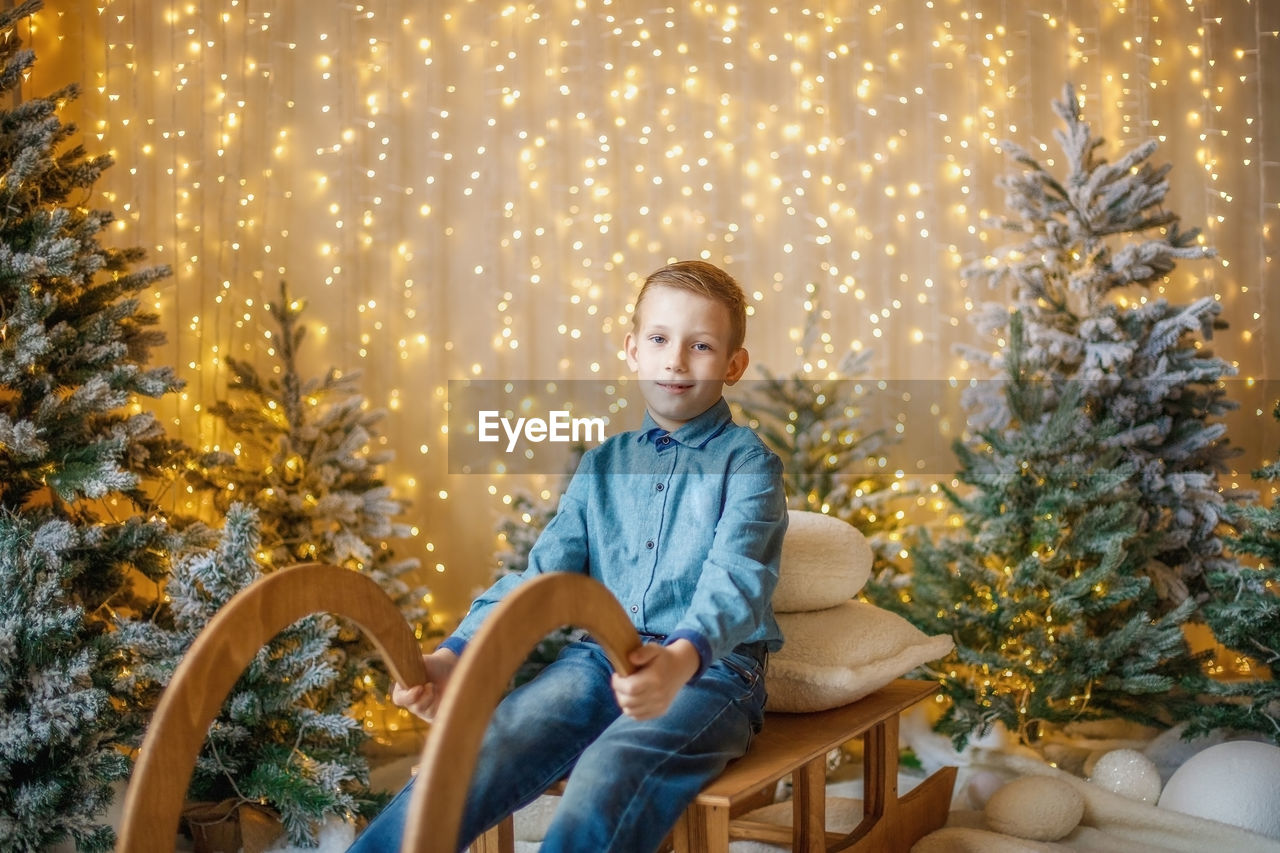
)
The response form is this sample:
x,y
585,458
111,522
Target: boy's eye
x,y
657,339
702,347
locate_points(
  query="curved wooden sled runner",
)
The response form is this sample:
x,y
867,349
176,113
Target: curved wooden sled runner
x,y
212,665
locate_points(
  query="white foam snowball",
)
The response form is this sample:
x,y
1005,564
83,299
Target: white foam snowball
x,y
1234,782
1039,808
1128,773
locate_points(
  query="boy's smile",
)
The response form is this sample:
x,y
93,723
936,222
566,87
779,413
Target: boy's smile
x,y
681,351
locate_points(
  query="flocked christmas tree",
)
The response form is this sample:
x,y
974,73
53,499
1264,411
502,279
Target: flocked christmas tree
x,y
817,424
1092,247
1244,614
310,458
281,744
80,539
307,464
1042,588
1095,250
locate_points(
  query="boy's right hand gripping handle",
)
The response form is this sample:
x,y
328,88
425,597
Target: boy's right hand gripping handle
x,y
515,626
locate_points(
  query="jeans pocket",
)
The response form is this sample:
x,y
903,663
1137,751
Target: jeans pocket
x,y
745,668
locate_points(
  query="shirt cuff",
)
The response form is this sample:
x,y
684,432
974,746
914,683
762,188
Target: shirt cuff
x,y
453,644
699,642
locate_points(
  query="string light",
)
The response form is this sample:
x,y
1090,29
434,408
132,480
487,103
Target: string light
x,y
472,189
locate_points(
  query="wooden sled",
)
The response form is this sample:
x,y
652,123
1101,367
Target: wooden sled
x,y
795,743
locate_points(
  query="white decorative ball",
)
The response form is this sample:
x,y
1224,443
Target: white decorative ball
x,y
1039,808
1234,782
1128,773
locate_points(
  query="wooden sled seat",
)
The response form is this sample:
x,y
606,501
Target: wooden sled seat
x,y
797,745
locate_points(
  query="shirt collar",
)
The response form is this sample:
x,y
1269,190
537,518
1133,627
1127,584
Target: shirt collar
x,y
694,433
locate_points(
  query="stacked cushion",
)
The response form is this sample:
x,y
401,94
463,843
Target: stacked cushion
x,y
825,562
836,650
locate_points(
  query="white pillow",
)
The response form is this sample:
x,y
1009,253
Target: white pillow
x,y
825,561
836,656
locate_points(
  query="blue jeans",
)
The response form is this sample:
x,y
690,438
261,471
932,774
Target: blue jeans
x,y
631,780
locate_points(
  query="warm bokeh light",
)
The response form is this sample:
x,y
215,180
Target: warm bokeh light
x,y
471,189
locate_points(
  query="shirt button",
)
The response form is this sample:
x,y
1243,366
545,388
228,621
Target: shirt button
x,y
635,609
659,487
649,544
666,439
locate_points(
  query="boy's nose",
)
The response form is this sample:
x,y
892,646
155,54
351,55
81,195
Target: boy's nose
x,y
676,362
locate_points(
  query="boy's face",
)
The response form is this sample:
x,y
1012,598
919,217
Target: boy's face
x,y
681,352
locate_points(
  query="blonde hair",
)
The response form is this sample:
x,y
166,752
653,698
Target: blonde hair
x,y
706,280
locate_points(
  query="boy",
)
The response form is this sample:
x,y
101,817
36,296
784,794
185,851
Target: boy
x,y
682,520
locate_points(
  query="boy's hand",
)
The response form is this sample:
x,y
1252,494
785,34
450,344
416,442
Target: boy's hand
x,y
660,673
424,699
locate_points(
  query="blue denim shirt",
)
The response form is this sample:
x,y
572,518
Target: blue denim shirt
x,y
684,528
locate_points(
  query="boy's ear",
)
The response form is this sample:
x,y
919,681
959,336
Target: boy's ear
x,y
629,349
737,366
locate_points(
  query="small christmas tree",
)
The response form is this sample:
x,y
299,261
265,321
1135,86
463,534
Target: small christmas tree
x,y
1053,619
306,461
82,542
306,458
520,527
1244,614
816,425
280,741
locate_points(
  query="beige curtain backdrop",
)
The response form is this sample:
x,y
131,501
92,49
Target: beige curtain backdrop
x,y
473,189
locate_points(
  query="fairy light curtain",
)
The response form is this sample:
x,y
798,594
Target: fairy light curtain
x,y
472,189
